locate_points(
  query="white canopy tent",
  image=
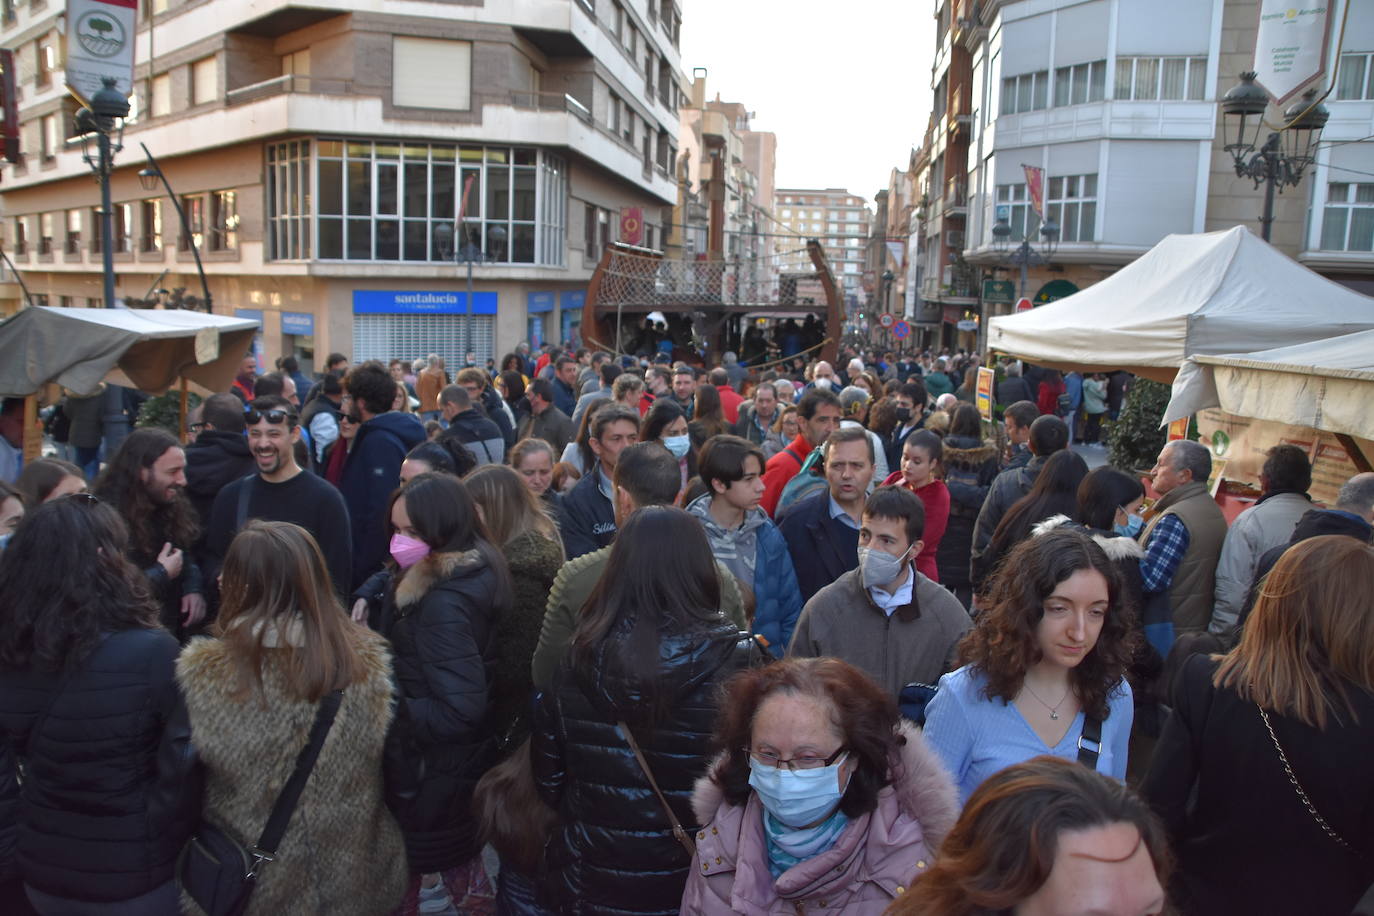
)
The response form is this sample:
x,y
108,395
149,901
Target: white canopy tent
x,y
147,349
1325,384
1208,294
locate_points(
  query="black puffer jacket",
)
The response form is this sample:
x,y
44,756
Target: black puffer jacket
x,y
110,792
215,460
970,468
440,620
615,852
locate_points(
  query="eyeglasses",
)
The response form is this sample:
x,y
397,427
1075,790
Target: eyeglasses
x,y
88,498
196,427
271,416
804,762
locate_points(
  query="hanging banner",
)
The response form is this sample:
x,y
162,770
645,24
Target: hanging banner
x,y
9,105
1035,189
897,250
100,45
1290,46
632,225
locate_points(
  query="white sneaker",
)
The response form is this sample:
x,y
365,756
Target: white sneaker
x,y
435,901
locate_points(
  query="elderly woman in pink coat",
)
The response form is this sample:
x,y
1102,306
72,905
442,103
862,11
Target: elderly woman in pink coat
x,y
820,799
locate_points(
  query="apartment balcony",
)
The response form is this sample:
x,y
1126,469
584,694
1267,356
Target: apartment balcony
x,y
288,85
956,198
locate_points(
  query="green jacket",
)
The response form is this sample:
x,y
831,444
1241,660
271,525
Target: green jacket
x,y
571,589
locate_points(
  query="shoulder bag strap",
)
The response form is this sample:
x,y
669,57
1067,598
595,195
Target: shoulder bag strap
x,y
1090,742
682,836
245,494
291,792
1297,787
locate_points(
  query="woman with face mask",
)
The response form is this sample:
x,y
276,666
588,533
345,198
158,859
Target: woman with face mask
x,y
1043,667
820,797
450,588
666,422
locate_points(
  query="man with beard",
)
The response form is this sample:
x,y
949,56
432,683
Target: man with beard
x,y
245,380
145,481
280,491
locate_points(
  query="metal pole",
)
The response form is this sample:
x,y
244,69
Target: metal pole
x,y
467,322
185,228
1024,257
106,216
1271,180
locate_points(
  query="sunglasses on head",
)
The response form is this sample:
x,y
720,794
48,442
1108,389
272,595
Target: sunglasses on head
x,y
273,416
196,427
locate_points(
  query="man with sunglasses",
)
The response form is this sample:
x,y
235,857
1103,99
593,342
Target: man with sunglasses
x,y
279,490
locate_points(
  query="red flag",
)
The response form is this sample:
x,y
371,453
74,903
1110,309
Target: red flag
x,y
1035,189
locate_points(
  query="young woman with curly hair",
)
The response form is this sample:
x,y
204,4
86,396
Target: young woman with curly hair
x,y
1049,654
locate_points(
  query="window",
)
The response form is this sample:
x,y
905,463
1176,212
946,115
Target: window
x,y
73,232
151,226
614,114
649,70
47,62
21,235
224,221
1071,201
1080,83
161,92
416,61
288,200
1166,78
387,201
45,233
123,228
193,206
1348,218
48,128
596,232
1016,210
296,64
1027,92
629,132
1355,78
97,231
204,81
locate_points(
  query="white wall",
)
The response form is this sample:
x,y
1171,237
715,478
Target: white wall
x,y
1149,191
1173,27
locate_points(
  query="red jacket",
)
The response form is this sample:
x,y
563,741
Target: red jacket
x,y
730,400
1048,399
781,468
934,497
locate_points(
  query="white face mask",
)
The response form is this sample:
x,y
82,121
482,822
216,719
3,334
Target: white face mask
x,y
878,567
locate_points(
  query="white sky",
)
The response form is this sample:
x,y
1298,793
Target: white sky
x,y
845,86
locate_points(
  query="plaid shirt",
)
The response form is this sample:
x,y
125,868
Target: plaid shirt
x,y
1163,553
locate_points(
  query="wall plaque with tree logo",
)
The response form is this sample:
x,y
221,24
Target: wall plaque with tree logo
x,y
100,45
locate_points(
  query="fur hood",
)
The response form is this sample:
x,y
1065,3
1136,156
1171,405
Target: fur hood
x,y
973,457
423,577
1116,547
923,788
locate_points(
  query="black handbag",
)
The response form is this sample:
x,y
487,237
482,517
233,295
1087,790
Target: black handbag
x,y
216,870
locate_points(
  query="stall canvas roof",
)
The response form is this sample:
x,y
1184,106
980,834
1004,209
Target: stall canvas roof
x,y
148,349
1208,294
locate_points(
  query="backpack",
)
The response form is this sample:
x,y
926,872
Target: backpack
x,y
1064,406
809,479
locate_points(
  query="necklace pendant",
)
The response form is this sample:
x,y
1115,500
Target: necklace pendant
x,y
1053,714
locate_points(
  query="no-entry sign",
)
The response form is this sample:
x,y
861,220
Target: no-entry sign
x,y
1023,304
887,319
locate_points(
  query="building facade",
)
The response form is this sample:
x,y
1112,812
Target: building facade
x,y
840,221
342,170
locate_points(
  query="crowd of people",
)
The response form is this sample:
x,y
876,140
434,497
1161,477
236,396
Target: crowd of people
x,y
591,634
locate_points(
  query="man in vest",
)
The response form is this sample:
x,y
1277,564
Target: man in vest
x,y
1182,540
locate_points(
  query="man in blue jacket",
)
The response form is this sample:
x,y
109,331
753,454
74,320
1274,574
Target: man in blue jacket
x,y
373,469
743,537
589,508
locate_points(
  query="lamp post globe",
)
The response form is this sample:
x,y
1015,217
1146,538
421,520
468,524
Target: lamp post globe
x,y
1304,122
1243,109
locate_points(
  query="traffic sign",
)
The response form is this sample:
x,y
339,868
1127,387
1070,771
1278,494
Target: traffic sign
x,y
901,330
886,319
1023,304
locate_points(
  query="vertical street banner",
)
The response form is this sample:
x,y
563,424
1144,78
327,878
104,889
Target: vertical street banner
x,y
100,45
982,395
897,250
632,225
1290,46
1035,189
9,105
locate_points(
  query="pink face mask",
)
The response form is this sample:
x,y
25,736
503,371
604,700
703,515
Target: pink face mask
x,y
407,551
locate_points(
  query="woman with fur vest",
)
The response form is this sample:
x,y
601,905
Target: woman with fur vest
x,y
282,644
820,797
450,588
970,466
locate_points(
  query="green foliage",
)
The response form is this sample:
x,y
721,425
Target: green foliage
x,y
1137,436
162,411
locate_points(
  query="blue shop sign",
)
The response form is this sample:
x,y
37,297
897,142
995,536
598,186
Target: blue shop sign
x,y
420,302
298,324
572,299
539,302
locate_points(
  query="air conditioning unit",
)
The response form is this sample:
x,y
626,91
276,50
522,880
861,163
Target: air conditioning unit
x,y
954,238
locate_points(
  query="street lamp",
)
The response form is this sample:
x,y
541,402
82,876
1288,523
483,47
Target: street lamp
x,y
104,117
1024,255
469,253
887,279
1285,155
149,178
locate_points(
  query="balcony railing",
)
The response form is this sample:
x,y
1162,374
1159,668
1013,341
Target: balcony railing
x,y
291,83
956,195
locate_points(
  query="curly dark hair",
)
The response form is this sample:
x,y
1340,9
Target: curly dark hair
x,y
1002,644
150,522
863,712
66,580
371,386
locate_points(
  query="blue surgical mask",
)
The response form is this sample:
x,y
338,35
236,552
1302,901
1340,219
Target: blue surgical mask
x,y
797,798
5,539
678,445
1134,523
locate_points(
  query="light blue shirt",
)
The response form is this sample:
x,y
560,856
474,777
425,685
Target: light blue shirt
x,y
976,737
837,511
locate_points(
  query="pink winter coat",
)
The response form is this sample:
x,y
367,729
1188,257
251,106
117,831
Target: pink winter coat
x,y
875,859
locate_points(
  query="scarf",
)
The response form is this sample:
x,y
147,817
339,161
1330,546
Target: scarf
x,y
788,847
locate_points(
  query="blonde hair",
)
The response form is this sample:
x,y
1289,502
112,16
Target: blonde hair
x,y
275,584
1310,634
509,508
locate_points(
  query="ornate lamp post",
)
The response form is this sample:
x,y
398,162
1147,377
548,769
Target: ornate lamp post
x,y
149,178
1285,154
1023,256
469,253
105,119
